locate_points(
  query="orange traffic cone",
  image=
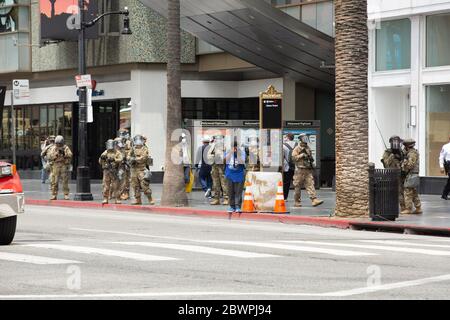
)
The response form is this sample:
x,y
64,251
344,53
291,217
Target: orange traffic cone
x,y
280,205
248,205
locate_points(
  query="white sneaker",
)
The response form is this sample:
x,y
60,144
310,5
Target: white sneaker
x,y
208,193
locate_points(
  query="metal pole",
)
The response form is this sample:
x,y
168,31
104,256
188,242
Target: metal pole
x,y
83,174
13,127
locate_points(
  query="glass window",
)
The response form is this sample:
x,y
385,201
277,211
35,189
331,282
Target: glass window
x,y
43,120
293,11
309,15
438,40
52,120
68,124
438,125
325,17
393,42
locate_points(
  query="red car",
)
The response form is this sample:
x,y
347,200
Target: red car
x,y
12,201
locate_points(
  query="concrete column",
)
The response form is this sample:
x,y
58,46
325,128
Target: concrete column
x,y
149,107
305,101
289,99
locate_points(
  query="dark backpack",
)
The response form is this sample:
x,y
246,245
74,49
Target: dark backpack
x,y
290,161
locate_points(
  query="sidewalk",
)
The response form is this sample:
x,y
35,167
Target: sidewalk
x,y
436,217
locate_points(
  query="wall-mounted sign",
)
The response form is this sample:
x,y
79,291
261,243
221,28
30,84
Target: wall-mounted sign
x,y
60,19
84,80
271,102
21,91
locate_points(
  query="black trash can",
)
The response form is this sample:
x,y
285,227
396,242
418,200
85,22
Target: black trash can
x,y
383,193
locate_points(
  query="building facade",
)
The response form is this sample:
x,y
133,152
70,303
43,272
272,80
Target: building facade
x,y
409,79
131,75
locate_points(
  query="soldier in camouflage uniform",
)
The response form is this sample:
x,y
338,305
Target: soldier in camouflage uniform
x,y
60,158
124,136
110,161
139,160
216,157
304,169
392,159
253,163
410,169
44,155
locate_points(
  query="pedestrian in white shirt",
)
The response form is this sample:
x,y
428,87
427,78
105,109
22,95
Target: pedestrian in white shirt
x,y
444,164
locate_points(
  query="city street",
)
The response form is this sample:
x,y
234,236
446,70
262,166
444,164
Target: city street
x,y
63,253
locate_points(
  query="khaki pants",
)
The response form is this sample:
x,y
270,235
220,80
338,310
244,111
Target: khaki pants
x,y
110,185
412,197
304,176
59,172
138,184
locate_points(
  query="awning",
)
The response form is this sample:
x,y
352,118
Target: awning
x,y
262,35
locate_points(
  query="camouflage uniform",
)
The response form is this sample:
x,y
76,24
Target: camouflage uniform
x,y
126,176
138,159
253,164
216,157
110,162
411,166
392,160
59,159
304,170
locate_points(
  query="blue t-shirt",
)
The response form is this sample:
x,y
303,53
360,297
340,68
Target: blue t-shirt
x,y
235,167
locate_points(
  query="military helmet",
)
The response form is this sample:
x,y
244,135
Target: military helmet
x,y
395,142
124,133
303,137
59,140
110,144
409,142
119,143
138,140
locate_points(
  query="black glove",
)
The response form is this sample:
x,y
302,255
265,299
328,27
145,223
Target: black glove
x,y
103,157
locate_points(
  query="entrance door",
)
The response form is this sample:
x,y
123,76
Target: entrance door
x,y
104,127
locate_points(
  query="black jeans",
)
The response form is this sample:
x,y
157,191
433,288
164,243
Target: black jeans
x,y
235,190
287,179
447,187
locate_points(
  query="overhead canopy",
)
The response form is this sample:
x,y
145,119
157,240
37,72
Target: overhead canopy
x,y
262,35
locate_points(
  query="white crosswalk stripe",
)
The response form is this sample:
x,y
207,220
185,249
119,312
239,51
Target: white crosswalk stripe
x,y
25,258
201,249
295,248
374,247
410,244
98,251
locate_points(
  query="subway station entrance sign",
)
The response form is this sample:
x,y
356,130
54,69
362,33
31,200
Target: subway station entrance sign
x,y
270,110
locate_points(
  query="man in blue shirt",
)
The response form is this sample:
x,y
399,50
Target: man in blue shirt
x,y
235,175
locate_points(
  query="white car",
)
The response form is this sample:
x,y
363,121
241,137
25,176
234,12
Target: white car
x,y
12,201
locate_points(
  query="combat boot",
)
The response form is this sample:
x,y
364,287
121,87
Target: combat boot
x,y
316,202
105,200
225,202
66,197
118,202
215,202
125,196
418,210
53,197
136,202
297,204
406,211
150,201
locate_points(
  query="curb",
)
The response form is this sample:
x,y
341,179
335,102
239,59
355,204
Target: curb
x,y
281,218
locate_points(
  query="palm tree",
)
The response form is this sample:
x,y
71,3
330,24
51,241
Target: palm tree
x,y
173,186
352,198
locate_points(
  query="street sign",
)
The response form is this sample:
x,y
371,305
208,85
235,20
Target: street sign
x,y
271,109
21,91
84,80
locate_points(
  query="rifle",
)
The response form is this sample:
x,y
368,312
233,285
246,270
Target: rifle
x,y
309,157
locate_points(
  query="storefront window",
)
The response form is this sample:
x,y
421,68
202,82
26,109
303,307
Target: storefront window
x,y
438,40
393,42
438,125
32,123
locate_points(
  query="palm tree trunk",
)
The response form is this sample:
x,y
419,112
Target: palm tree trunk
x,y
352,198
173,186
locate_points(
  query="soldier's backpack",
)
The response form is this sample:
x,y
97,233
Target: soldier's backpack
x,y
289,159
